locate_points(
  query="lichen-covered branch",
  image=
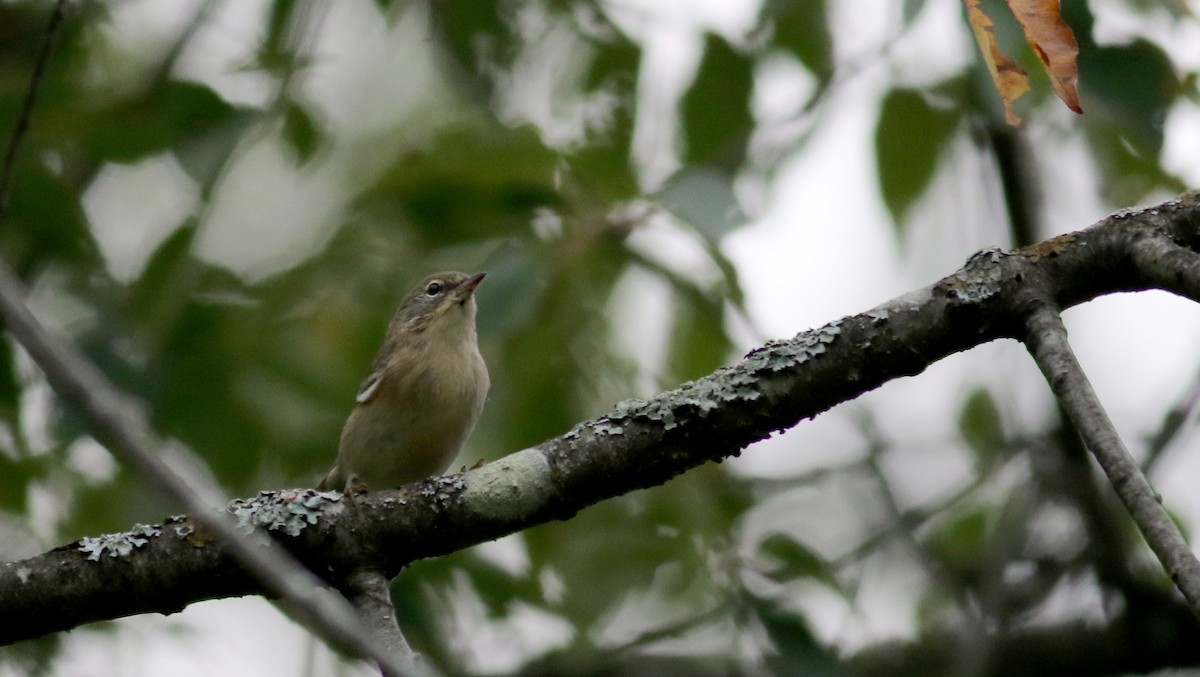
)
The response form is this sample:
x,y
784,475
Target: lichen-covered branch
x,y
641,443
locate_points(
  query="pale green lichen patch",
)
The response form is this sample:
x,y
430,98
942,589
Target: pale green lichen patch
x,y
629,409
985,257
981,279
118,545
729,384
660,409
605,426
445,487
972,291
180,525
287,511
777,356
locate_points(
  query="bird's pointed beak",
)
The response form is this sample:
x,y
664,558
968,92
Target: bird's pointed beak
x,y
467,287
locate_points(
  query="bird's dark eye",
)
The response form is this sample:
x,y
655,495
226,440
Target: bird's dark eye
x,y
434,288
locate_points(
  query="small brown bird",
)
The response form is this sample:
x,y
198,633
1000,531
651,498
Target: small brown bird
x,y
424,392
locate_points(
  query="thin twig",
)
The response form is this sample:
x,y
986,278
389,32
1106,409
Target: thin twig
x,y
909,520
119,424
49,38
370,594
933,568
1046,339
676,629
199,17
1172,424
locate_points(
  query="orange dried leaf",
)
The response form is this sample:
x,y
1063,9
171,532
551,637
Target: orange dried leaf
x,y
1053,42
1010,80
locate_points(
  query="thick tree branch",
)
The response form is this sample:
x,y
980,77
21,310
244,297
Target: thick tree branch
x,y
639,444
1167,259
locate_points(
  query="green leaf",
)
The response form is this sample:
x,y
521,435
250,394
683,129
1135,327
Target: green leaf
x,y
194,380
562,345
301,131
513,293
909,138
698,342
15,476
474,36
911,9
797,653
802,28
10,387
277,23
205,155
1126,92
603,163
615,64
960,542
477,180
1126,176
796,560
45,220
716,109
166,277
631,541
173,114
1132,87
979,423
703,198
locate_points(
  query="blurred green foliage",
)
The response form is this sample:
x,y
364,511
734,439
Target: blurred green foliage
x,y
909,140
254,368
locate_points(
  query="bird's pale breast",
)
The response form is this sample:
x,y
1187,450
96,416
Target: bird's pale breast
x,y
414,427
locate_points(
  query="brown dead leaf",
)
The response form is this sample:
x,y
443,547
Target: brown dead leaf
x,y
1053,42
1010,80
